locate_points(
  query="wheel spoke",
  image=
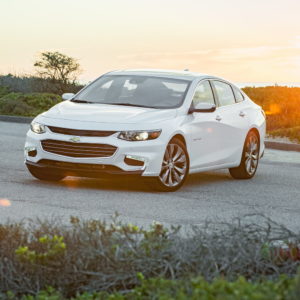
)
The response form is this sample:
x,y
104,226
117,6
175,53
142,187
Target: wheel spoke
x,y
178,153
177,177
170,181
165,175
254,156
248,164
181,159
181,171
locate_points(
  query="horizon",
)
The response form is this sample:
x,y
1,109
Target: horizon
x,y
242,42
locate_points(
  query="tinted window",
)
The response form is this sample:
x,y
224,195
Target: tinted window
x,y
224,92
238,95
203,93
136,90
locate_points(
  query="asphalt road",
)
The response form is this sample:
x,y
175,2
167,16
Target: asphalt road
x,y
274,191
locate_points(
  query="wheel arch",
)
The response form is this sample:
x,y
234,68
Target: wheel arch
x,y
180,137
256,131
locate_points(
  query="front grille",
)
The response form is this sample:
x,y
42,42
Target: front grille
x,y
78,149
78,166
80,132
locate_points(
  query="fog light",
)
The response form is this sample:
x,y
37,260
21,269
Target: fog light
x,y
31,151
133,160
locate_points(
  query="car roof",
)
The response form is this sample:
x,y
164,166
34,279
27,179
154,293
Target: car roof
x,y
176,74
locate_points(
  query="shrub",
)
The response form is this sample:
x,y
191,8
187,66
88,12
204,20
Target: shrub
x,y
4,90
93,256
193,288
32,84
280,103
293,133
27,104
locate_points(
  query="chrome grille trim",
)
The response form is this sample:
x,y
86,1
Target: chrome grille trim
x,y
81,132
78,149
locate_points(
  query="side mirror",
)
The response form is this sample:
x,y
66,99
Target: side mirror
x,y
203,107
67,96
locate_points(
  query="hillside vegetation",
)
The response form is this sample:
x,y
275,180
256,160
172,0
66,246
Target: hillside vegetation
x,y
282,107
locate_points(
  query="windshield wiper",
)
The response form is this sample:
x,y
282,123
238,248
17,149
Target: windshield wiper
x,y
130,104
80,101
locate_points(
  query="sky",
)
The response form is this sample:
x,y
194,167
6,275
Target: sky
x,y
240,40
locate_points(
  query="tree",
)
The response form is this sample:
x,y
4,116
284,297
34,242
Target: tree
x,y
58,67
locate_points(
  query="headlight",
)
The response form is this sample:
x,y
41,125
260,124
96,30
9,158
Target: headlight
x,y
37,127
139,135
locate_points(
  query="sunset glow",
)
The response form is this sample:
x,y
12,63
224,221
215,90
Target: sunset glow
x,y
243,41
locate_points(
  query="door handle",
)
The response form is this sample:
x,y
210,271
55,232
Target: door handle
x,y
242,114
218,118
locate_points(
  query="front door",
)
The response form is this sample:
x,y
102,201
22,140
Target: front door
x,y
203,130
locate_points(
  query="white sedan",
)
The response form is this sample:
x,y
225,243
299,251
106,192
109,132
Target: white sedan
x,y
158,124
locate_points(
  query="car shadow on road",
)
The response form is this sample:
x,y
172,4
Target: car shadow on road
x,y
207,178
129,184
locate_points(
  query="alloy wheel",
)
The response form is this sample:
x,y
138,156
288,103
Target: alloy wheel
x,y
251,154
174,166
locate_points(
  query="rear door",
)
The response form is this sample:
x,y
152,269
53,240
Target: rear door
x,y
233,122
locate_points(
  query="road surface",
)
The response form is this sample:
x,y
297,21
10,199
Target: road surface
x,y
274,191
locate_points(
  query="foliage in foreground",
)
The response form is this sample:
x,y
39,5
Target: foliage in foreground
x,y
93,256
29,105
193,288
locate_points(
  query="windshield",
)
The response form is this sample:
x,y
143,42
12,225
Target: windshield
x,y
133,90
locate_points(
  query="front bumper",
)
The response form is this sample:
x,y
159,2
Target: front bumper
x,y
81,170
151,152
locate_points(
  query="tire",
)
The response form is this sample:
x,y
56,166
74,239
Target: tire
x,y
250,158
175,168
45,174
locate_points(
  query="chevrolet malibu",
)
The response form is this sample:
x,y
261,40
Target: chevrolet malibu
x,y
158,124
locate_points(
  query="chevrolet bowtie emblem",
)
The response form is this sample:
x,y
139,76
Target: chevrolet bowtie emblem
x,y
75,139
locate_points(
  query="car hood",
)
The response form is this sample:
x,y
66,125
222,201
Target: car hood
x,y
103,113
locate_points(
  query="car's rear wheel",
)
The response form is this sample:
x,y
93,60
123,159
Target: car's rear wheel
x,y
174,169
250,158
45,174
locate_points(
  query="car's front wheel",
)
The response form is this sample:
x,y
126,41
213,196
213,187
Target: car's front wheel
x,y
250,158
44,174
174,169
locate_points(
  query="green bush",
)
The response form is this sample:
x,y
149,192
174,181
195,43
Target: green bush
x,y
33,84
27,104
94,256
4,90
283,288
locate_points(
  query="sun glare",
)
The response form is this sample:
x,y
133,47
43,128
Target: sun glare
x,y
274,109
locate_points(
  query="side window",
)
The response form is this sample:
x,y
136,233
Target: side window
x,y
238,95
203,93
224,92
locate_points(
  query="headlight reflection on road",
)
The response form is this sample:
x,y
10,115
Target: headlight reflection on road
x,y
71,182
5,202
